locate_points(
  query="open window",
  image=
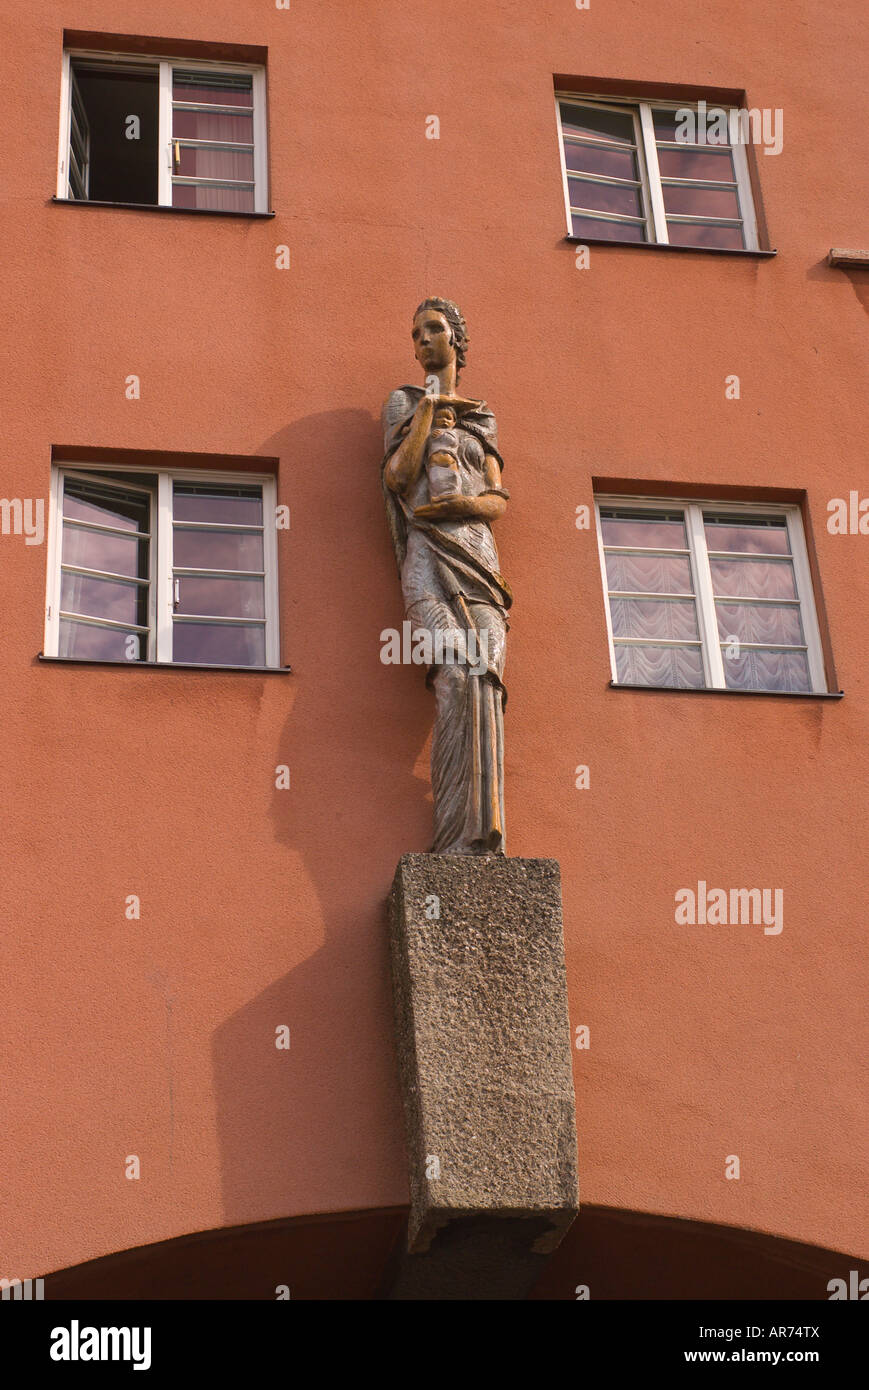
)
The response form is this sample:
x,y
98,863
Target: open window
x,y
114,122
162,132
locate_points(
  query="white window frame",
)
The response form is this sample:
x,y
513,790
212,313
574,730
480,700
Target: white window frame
x,y
710,642
650,175
163,68
161,570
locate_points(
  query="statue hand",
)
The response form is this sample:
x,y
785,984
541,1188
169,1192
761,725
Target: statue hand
x,y
440,402
448,509
445,509
457,403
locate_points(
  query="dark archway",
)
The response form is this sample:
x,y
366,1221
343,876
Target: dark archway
x,y
617,1254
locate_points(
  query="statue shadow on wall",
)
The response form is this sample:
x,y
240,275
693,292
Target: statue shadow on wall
x,y
356,739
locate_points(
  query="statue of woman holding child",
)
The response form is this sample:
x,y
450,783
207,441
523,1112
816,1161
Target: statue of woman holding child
x,y
442,482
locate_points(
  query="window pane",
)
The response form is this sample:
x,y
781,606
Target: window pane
x,y
697,164
658,531
753,578
221,598
192,195
212,125
227,506
701,202
696,234
88,642
759,670
595,159
762,535
649,574
107,506
675,619
680,667
197,162
217,89
98,550
605,197
104,598
684,131
760,622
600,125
231,645
608,231
218,550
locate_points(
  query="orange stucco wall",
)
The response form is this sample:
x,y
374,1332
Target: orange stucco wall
x,y
262,907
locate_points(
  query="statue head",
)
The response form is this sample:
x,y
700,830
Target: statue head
x,y
439,333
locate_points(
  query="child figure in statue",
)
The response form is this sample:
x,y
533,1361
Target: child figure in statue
x,y
442,464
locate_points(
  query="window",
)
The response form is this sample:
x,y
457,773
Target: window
x,y
165,566
170,133
708,595
630,174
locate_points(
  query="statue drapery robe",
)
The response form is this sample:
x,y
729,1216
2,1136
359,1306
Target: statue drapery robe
x,y
452,586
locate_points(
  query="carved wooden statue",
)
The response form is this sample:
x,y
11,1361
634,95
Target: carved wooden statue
x,y
442,482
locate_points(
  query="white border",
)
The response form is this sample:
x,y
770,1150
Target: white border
x,y
650,149
63,133
260,143
164,137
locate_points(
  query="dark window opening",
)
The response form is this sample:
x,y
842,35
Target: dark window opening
x,y
113,134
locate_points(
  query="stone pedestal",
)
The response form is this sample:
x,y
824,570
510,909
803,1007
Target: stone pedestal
x,y
484,1049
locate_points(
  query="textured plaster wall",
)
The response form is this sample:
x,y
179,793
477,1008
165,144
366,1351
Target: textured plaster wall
x,y
263,907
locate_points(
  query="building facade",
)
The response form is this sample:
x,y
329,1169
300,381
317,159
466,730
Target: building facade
x,y
219,222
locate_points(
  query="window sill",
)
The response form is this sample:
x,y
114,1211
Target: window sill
x,y
711,690
159,207
165,665
665,246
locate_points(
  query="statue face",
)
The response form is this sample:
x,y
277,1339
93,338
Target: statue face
x,y
432,339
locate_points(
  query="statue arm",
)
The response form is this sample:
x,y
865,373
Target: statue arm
x,y
487,506
403,467
494,489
